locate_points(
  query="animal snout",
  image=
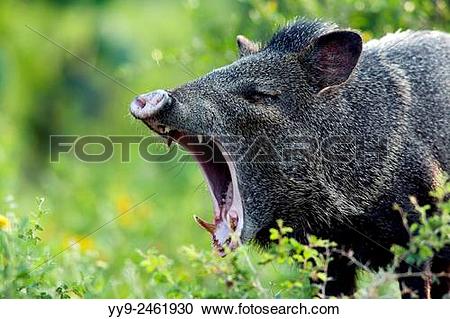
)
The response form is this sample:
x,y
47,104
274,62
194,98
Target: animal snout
x,y
148,104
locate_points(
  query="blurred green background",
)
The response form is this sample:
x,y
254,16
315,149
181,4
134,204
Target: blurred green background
x,y
145,45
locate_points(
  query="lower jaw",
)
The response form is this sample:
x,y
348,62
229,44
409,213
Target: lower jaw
x,y
222,183
227,226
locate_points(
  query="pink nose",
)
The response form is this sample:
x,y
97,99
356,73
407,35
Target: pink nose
x,y
140,101
148,104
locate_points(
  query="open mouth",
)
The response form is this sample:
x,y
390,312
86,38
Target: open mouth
x,y
220,174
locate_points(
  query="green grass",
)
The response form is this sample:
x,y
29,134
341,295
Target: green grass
x,y
288,269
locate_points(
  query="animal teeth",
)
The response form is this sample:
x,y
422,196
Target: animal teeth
x,y
233,220
200,138
210,228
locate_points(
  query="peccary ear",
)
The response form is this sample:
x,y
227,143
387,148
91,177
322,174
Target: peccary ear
x,y
246,46
333,58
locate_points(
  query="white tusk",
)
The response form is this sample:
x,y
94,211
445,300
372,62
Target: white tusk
x,y
210,228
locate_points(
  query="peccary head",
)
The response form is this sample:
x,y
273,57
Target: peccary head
x,y
237,122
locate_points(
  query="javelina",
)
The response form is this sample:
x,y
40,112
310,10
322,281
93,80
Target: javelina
x,y
321,131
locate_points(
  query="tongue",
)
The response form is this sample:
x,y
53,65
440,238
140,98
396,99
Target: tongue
x,y
227,200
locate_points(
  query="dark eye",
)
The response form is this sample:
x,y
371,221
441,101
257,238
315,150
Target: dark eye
x,y
258,96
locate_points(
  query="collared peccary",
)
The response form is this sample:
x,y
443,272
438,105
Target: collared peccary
x,y
322,131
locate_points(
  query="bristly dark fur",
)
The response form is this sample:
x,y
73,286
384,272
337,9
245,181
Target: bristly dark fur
x,y
384,105
298,34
